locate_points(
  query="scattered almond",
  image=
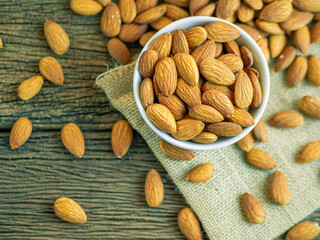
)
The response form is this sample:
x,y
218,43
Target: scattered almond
x,y
121,138
304,231
252,208
153,189
161,23
301,39
51,69
131,32
146,37
276,44
128,10
57,38
69,211
30,87
297,20
20,132
310,153
111,20
286,58
287,119
85,7
175,13
189,224
200,173
260,132
314,70
310,106
72,139
247,142
278,11
297,71
175,152
119,51
279,189
260,159
151,15
315,32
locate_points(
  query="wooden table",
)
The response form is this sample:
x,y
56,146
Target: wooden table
x,y
110,190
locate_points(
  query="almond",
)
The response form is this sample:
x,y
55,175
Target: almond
x,y
30,87
161,23
205,137
131,32
147,63
196,36
297,20
232,47
225,129
146,37
247,142
179,42
166,76
72,139
243,91
264,45
216,72
200,173
219,101
223,89
20,132
153,189
175,13
260,132
161,117
310,153
309,6
297,71
304,231
205,114
188,129
227,8
143,5
119,51
162,45
315,32
279,189
286,58
278,11
246,56
128,10
277,43
191,95
255,4
207,10
151,15
57,38
175,152
310,106
221,31
257,93
245,14
269,27
146,93
314,70
260,159
156,88
252,208
179,3
51,69
287,119
85,7
104,2
69,211
175,105
242,117
205,50
301,39
232,61
195,5
253,70
254,33
111,20
187,68
189,224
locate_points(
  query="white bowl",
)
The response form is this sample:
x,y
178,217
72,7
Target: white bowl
x,y
260,64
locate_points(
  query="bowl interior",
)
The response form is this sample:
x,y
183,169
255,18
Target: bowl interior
x,y
259,63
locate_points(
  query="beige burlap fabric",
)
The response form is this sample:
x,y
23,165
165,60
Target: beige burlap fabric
x,y
217,202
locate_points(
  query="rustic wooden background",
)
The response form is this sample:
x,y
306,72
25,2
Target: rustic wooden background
x,y
110,190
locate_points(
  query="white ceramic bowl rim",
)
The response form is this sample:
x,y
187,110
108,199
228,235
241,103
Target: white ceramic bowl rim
x,y
221,142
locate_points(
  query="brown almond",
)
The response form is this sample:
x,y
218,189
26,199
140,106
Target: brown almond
x,y
227,8
207,10
279,189
254,33
269,27
260,132
219,50
304,231
175,13
146,93
161,117
69,211
161,23
287,119
297,20
314,70
131,32
297,71
189,224
72,139
232,61
245,13
175,152
200,173
196,36
315,32
232,47
205,114
187,68
165,75
263,43
153,189
253,208
205,137
219,101
225,129
128,10
191,95
251,69
257,92
243,91
310,106
195,5
188,129
277,43
57,38
162,45
146,37
301,39
310,152
119,51
111,20
104,2
151,15
260,159
51,69
147,63
278,11
179,3
179,42
223,89
255,4
121,138
221,31
309,6
246,56
143,5
20,132
286,58
247,142
85,7
30,87
175,105
242,117
205,50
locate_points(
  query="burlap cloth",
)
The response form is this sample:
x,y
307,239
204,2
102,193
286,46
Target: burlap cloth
x,y
217,202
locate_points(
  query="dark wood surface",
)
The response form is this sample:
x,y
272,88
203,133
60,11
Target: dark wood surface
x,y
110,190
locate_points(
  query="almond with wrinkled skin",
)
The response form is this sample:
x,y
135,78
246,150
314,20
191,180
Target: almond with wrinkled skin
x,y
187,68
162,45
225,129
111,20
253,70
269,27
30,87
161,117
245,14
175,105
72,139
69,211
243,91
205,137
227,8
189,224
179,42
252,208
205,50
287,119
310,153
175,152
257,92
277,43
315,32
179,3
304,231
278,11
20,132
255,4
196,36
147,63
221,31
201,173
246,56
51,69
260,132
232,47
153,188
297,71
223,89
279,189
175,13
104,2
128,10
242,117
219,101
191,95
131,32
165,75
219,49
254,33
161,23
247,142
310,106
301,39
260,159
206,10
286,58
143,5
195,5
205,114
121,138
188,129
146,93
216,72
146,37
57,38
309,6
119,51
151,15
297,20
264,45
232,61
314,70
85,7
